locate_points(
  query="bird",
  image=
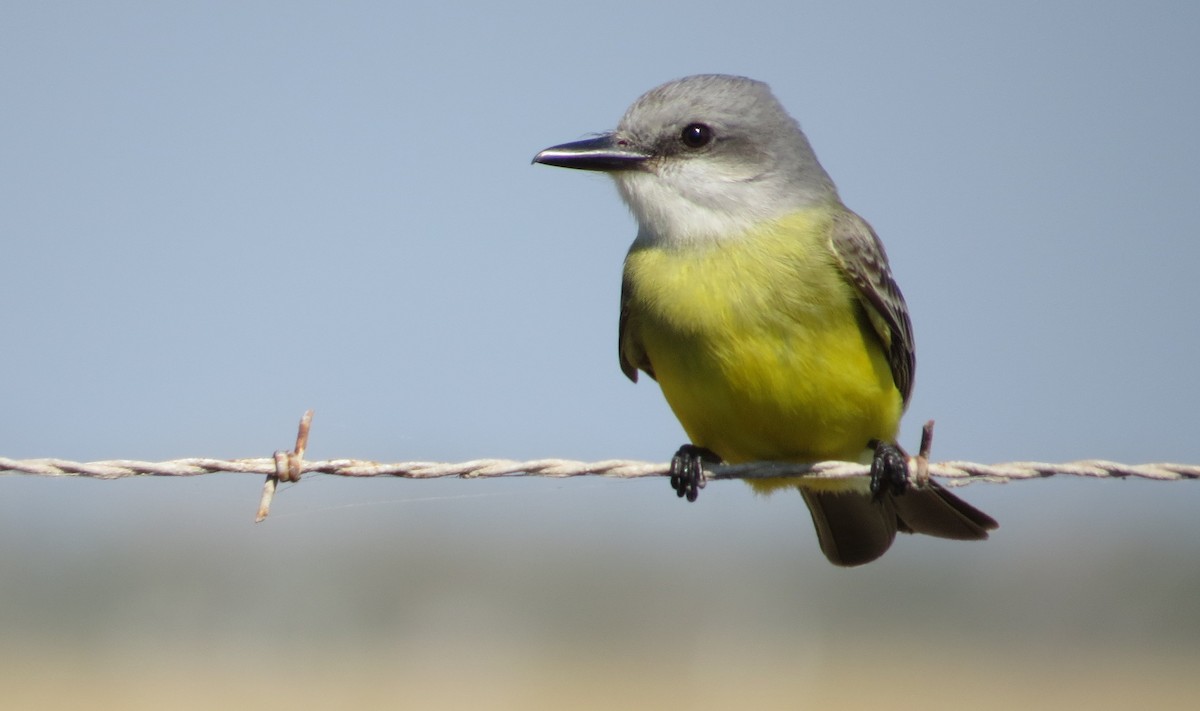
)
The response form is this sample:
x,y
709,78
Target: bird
x,y
765,309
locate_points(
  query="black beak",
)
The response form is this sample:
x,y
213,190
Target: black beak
x,y
604,153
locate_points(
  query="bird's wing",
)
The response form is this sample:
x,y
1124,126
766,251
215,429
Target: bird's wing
x,y
863,261
629,346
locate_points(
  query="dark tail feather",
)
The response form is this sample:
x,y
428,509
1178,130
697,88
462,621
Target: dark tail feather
x,y
936,512
853,528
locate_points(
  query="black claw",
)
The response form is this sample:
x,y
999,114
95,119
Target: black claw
x,y
889,469
687,470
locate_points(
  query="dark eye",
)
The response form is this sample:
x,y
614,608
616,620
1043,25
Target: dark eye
x,y
696,135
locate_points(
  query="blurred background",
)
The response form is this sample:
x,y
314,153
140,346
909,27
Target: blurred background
x,y
218,215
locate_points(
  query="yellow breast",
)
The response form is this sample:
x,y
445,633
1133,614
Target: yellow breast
x,y
760,345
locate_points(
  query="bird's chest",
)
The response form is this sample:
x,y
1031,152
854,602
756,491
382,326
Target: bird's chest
x,y
761,353
756,292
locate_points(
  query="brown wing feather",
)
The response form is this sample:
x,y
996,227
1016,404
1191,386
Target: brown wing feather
x,y
864,263
629,348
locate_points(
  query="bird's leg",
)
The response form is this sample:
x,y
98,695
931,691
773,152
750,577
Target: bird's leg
x,y
687,470
889,469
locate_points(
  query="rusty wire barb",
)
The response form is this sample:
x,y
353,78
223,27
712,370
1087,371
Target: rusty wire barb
x,y
290,466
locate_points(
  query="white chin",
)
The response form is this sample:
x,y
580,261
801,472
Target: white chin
x,y
667,216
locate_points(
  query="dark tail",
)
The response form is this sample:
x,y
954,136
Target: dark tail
x,y
854,529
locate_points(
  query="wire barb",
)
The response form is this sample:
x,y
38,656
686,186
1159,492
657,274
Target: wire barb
x,y
288,467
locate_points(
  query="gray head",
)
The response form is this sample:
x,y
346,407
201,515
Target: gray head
x,y
704,158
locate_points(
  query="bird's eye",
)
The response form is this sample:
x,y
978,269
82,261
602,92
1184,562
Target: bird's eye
x,y
696,135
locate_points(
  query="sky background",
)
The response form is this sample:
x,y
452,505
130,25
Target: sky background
x,y
218,215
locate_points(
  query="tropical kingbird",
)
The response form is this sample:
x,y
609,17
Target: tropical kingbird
x,y
765,309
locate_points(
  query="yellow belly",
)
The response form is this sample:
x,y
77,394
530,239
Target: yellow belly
x,y
760,346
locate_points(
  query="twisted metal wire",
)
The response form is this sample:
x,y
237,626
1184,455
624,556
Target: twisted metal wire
x,y
612,468
290,466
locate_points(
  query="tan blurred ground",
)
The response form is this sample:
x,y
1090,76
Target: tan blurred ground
x,y
496,677
518,595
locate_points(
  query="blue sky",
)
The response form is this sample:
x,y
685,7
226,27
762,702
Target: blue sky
x,y
219,215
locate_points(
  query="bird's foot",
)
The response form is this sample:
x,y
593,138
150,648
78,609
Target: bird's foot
x,y
889,469
687,470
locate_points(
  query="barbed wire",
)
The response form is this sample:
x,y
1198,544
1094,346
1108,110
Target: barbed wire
x,y
957,471
290,466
